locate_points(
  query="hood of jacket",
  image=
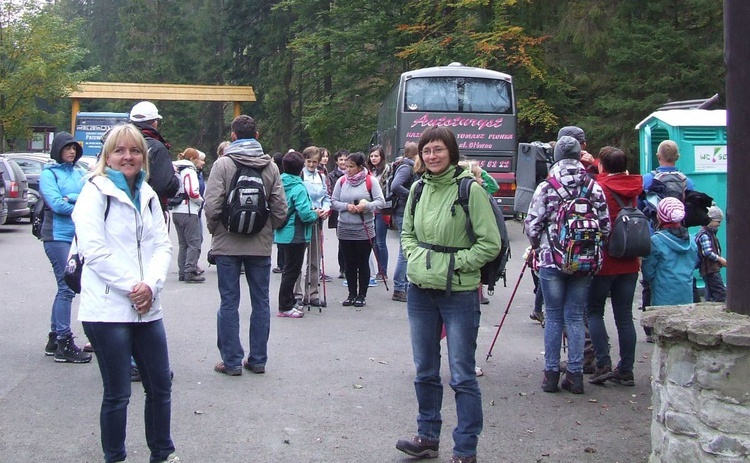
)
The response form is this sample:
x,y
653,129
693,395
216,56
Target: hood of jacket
x,y
676,239
184,163
248,152
289,181
61,140
626,186
569,172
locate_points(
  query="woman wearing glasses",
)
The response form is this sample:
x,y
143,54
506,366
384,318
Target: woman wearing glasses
x,y
444,275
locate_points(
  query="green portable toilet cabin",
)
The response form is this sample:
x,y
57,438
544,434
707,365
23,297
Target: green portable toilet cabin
x,y
701,136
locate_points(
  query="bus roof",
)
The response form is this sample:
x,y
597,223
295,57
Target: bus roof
x,y
456,69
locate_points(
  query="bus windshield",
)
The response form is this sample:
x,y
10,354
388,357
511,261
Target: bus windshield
x,y
458,94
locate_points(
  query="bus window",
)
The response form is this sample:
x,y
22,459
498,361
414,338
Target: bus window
x,y
458,94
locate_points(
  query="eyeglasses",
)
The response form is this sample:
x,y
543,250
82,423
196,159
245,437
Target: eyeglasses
x,y
428,151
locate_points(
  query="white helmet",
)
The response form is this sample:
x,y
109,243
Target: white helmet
x,y
143,112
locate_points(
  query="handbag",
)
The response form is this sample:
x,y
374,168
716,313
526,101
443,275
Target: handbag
x,y
73,268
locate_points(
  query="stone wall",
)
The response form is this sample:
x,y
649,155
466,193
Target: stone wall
x,y
701,384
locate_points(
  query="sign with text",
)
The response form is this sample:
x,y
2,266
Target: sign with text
x,y
711,158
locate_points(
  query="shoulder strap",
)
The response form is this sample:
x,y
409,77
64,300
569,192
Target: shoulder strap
x,y
619,200
417,194
464,190
559,187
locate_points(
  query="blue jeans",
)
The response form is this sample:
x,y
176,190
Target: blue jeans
x,y
565,299
57,253
622,289
428,310
114,343
380,244
258,275
399,277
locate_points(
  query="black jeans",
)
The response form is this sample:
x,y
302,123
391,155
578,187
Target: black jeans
x,y
293,256
357,270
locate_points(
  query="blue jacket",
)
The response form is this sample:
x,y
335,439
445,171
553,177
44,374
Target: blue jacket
x,y
59,185
300,213
669,267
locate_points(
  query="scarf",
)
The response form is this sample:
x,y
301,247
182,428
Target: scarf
x,y
149,131
357,178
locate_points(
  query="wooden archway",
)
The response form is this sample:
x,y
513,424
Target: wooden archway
x,y
159,92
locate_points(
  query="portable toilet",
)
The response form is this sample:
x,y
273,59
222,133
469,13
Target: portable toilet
x,y
701,136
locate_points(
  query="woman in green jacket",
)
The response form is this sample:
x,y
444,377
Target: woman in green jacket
x,y
444,275
293,237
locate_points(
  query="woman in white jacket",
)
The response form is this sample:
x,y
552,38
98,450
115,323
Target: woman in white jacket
x,y
186,217
123,240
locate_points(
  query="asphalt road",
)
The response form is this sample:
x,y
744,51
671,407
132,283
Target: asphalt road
x,y
338,387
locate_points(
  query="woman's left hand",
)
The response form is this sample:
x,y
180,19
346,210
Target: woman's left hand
x,y
141,297
361,205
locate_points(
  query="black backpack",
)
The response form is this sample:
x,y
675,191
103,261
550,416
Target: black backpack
x,y
39,213
246,209
493,270
630,235
392,200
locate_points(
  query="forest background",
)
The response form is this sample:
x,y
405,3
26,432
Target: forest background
x,y
321,68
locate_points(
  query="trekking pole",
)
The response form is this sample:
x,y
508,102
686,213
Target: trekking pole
x,y
308,276
507,308
380,269
323,270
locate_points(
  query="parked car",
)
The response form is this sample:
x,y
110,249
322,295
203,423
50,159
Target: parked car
x,y
3,203
16,190
32,165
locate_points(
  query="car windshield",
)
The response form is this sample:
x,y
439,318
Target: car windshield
x,y
29,166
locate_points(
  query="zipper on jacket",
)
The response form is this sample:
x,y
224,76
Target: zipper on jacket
x,y
138,237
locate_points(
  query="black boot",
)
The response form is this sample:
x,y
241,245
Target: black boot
x,y
67,351
549,383
51,347
573,382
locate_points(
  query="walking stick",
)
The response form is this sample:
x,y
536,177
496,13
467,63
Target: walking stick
x,y
323,269
308,276
507,308
380,268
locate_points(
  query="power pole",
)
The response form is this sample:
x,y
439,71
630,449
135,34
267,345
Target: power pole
x,y
737,60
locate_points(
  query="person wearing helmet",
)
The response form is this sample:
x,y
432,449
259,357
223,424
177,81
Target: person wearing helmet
x,y
162,177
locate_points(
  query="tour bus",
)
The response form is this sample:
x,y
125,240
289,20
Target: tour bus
x,y
477,104
91,126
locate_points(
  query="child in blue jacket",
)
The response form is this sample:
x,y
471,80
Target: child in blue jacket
x,y
669,267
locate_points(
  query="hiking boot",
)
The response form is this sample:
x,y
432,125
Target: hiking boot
x,y
484,301
537,316
572,382
221,368
193,277
326,278
549,383
181,277
600,374
399,296
623,378
199,271
68,352
349,301
419,447
257,369
51,347
464,459
277,270
359,301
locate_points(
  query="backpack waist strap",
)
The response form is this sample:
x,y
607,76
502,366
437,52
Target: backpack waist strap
x,y
451,264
